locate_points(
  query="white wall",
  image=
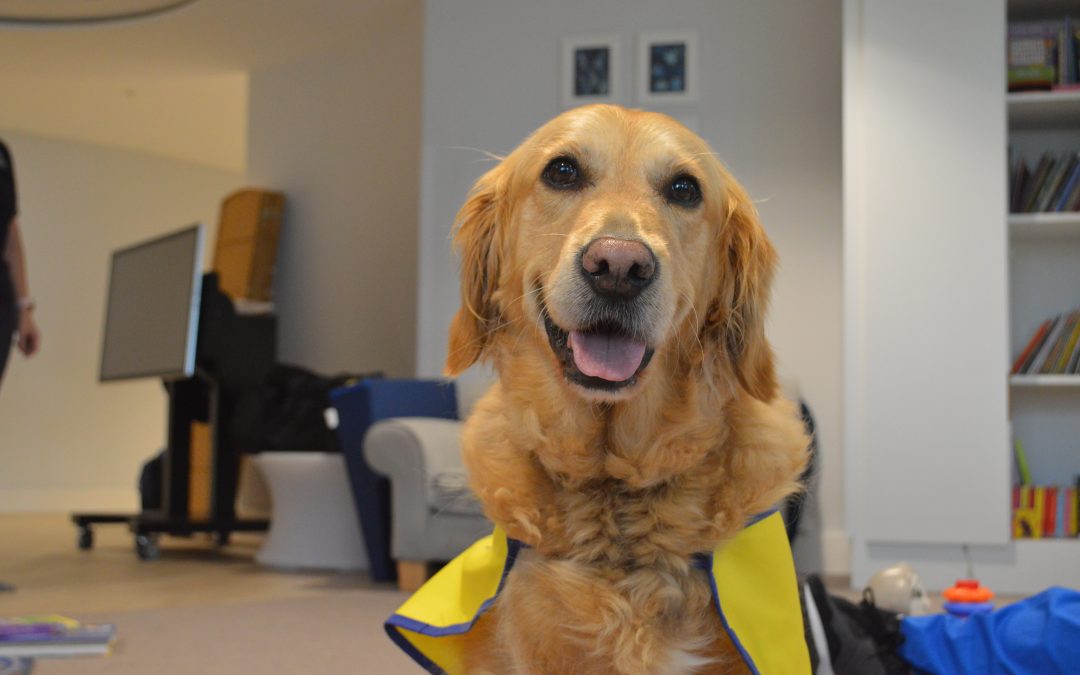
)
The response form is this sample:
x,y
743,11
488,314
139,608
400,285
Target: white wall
x,y
66,441
201,119
340,136
769,105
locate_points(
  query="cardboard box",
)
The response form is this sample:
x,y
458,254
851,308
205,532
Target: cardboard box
x,y
247,243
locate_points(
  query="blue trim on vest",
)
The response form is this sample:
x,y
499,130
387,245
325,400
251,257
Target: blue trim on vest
x,y
753,520
757,518
727,627
396,621
391,628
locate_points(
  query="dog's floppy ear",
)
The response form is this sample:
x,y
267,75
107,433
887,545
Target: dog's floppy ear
x,y
475,233
736,319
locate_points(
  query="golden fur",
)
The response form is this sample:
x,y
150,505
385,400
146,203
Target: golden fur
x,y
614,493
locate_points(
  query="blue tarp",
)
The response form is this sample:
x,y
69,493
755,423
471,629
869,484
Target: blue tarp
x,y
1039,635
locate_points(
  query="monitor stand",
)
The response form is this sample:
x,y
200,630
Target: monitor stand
x,y
234,354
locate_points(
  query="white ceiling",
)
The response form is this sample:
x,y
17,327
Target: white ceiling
x,y
203,38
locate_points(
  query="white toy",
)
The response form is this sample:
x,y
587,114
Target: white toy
x,y
899,589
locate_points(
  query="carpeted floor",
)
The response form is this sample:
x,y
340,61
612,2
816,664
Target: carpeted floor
x,y
200,609
323,635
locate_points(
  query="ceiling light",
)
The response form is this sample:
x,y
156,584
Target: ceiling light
x,y
82,12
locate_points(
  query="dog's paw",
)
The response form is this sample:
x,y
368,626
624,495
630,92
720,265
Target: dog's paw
x,y
521,522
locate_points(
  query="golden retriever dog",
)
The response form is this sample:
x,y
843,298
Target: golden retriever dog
x,y
617,277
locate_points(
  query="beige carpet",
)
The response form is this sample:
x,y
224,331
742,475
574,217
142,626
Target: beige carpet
x,y
326,635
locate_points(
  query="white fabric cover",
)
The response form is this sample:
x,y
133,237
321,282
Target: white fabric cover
x,y
313,523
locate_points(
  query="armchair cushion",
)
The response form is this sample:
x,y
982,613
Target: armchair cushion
x,y
435,516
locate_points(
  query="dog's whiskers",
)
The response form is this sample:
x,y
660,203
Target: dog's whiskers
x,y
697,321
488,155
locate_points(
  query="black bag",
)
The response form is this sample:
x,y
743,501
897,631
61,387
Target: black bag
x,y
288,412
150,478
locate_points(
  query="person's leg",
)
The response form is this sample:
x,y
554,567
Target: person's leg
x,y
9,315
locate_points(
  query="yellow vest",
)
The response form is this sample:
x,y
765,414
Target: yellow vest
x,y
753,583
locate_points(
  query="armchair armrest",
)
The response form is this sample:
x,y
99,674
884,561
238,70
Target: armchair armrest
x,y
415,454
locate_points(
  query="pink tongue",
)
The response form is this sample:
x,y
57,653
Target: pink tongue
x,y
612,358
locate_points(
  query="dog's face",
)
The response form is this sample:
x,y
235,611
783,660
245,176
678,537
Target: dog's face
x,y
612,240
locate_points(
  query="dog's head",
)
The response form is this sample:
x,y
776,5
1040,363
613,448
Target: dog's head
x,y
611,240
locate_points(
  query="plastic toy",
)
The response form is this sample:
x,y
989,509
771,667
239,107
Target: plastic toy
x,y
967,597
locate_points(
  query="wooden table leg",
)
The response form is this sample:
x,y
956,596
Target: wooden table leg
x,y
411,575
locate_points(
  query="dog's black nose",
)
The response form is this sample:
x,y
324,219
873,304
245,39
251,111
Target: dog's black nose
x,y
618,269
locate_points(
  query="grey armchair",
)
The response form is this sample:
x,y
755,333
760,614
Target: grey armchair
x,y
434,516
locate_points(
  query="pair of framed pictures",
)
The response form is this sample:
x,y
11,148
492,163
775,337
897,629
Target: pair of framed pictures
x,y
666,69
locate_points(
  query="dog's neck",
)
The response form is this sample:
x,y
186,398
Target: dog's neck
x,y
664,431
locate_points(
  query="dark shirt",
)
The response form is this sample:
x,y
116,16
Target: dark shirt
x,y
9,207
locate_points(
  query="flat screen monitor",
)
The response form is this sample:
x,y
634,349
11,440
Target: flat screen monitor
x,y
152,315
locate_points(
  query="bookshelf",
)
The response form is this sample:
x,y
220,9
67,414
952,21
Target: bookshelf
x,y
1043,109
1035,226
1044,281
1045,381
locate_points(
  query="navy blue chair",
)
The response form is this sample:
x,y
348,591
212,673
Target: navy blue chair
x,y
358,407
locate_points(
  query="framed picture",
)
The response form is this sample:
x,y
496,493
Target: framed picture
x,y
590,70
667,70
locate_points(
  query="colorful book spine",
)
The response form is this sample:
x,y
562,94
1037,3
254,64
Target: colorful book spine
x,y
1045,511
1049,511
1070,513
1064,195
1038,179
1048,344
1065,359
1032,347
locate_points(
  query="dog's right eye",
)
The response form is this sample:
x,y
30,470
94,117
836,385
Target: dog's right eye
x,y
562,173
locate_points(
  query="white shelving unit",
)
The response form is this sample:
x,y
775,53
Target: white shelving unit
x,y
1045,380
1044,280
1042,109
1036,226
943,288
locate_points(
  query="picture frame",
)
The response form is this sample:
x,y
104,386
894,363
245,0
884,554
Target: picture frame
x,y
667,67
590,70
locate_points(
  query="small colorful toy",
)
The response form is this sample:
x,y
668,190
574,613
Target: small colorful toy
x,y
967,597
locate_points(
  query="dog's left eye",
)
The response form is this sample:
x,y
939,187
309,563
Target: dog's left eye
x,y
684,191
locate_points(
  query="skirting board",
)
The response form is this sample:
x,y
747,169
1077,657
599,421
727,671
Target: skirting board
x,y
56,500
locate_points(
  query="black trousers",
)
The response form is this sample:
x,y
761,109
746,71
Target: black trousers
x,y
9,316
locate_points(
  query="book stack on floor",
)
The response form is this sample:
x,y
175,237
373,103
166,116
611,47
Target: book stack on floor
x,y
1053,186
23,639
1054,349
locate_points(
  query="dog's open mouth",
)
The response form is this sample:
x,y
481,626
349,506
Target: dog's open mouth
x,y
605,357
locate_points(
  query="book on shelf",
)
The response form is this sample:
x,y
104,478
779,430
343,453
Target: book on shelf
x,y
1048,196
1023,362
1049,364
1052,186
1043,54
1069,187
53,636
1066,355
1045,511
1019,176
1054,348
